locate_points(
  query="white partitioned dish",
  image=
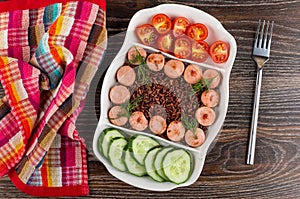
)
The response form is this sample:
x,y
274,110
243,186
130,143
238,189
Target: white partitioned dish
x,y
216,32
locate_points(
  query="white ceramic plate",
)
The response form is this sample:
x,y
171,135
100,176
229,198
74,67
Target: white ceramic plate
x,y
216,32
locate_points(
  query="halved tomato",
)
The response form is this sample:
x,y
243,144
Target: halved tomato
x,y
179,26
162,23
200,51
182,47
219,51
197,31
165,43
147,34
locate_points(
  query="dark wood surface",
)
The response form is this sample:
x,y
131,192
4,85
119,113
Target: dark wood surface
x,y
276,172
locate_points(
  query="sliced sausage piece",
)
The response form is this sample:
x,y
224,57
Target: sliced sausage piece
x,y
210,98
126,75
174,68
155,61
205,116
133,57
192,74
175,131
211,74
194,139
119,94
138,121
117,116
157,125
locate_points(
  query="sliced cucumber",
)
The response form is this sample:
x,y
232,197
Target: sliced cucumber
x,y
132,165
109,135
177,165
143,155
140,145
99,143
115,153
150,166
158,161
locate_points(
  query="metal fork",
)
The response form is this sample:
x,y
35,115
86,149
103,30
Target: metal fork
x,y
260,54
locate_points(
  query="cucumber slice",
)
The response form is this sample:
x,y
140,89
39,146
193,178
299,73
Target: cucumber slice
x,y
132,165
158,161
115,153
139,145
177,165
150,166
99,143
109,135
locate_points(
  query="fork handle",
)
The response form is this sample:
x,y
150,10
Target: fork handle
x,y
252,138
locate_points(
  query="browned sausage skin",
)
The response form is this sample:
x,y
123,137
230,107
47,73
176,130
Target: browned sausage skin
x,y
174,68
192,74
194,138
205,116
138,121
175,131
210,98
155,61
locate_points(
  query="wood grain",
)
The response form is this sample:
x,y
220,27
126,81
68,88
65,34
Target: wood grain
x,y
276,172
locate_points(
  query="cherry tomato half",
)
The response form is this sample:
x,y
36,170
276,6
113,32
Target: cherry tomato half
x,y
165,43
147,34
182,47
179,26
162,23
200,51
219,51
197,31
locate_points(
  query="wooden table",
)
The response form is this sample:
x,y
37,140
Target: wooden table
x,y
276,172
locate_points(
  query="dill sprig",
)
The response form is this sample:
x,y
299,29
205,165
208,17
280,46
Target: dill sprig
x,y
131,105
202,85
143,69
137,58
190,124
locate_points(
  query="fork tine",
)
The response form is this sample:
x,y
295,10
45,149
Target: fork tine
x,y
266,35
261,34
270,37
256,35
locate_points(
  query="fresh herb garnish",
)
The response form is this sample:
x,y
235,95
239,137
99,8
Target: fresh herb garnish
x,y
202,85
129,106
190,124
143,69
137,58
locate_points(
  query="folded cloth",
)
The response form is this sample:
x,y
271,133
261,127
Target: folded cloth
x,y
49,53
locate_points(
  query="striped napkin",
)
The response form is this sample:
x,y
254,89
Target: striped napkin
x,y
49,53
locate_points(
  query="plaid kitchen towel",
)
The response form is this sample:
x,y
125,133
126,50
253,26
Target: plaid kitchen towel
x,y
49,53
